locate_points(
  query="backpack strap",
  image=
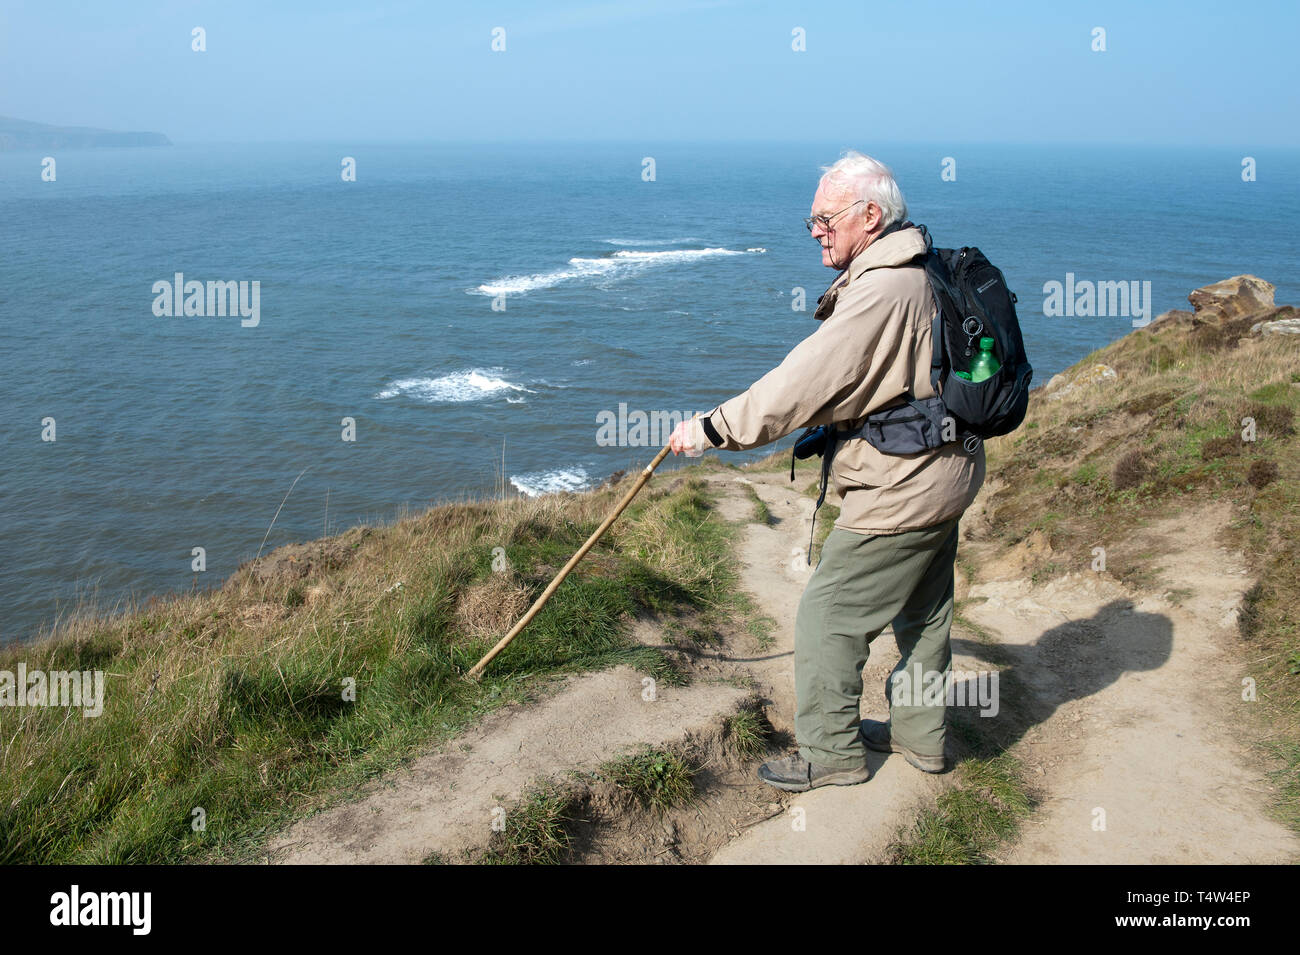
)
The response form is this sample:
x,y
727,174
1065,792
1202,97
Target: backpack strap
x,y
938,341
938,345
827,454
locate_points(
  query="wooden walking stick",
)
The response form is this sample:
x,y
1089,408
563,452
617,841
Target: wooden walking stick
x,y
573,562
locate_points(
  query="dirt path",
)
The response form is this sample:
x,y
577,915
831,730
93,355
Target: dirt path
x,y
1131,713
1137,748
444,802
1136,699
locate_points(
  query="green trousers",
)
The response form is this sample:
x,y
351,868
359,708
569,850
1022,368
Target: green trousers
x,y
862,584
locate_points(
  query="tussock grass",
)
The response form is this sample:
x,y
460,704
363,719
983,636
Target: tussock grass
x,y
656,778
324,664
748,732
535,829
968,821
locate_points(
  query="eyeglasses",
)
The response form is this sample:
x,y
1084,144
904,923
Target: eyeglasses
x,y
826,220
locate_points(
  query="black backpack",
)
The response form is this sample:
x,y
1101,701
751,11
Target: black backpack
x,y
973,301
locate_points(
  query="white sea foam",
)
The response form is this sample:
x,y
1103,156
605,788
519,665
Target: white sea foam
x,y
472,384
549,482
626,242
621,263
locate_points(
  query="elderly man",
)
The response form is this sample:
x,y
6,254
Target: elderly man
x,y
889,558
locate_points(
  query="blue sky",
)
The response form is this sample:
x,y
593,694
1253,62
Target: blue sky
x,y
1207,73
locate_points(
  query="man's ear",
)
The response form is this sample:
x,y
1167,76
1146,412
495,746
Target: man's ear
x,y
872,217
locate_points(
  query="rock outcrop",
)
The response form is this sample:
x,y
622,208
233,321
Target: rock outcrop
x,y
1240,306
1233,298
1061,385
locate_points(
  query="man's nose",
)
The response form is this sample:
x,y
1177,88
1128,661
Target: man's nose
x,y
819,230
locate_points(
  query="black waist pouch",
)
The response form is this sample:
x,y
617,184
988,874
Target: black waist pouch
x,y
906,429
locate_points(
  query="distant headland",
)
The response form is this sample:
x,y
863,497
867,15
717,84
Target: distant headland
x,y
21,134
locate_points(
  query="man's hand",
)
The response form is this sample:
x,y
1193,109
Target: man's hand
x,y
688,439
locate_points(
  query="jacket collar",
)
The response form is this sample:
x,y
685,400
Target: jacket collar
x,y
890,250
899,244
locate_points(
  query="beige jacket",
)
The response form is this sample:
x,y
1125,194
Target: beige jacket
x,y
873,344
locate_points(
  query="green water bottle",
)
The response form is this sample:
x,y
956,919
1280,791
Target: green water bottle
x,y
985,364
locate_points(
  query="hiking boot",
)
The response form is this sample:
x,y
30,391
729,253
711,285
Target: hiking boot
x,y
875,735
795,774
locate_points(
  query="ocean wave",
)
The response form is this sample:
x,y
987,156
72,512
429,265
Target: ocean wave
x,y
472,384
626,242
536,483
616,265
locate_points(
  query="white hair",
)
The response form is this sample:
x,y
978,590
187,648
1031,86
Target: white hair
x,y
870,180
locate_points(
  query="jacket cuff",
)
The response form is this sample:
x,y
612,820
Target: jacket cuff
x,y
711,432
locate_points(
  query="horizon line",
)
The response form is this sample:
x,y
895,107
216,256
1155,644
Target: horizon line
x,y
690,141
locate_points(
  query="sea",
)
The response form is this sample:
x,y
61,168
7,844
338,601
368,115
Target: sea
x,y
430,322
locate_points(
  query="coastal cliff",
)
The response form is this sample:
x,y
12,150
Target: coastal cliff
x,y
1148,508
16,134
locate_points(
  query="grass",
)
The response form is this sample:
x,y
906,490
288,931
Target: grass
x,y
758,625
301,678
761,513
982,810
1269,530
1108,454
656,778
298,679
748,731
534,830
